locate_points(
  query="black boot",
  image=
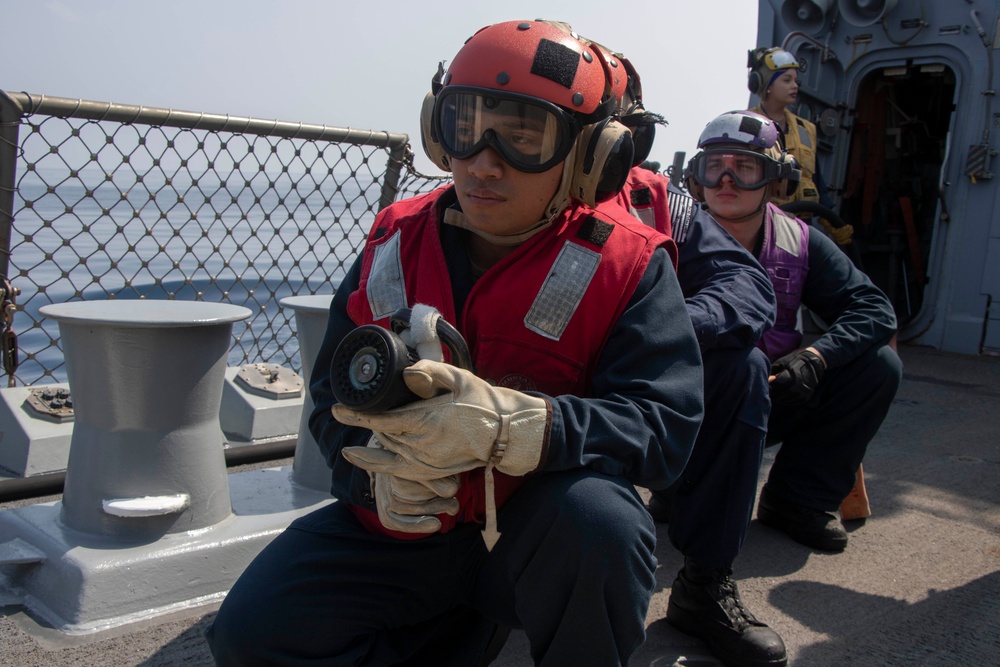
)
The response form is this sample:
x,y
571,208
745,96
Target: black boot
x,y
705,603
813,528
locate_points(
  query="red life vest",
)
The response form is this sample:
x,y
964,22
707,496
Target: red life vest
x,y
536,321
645,197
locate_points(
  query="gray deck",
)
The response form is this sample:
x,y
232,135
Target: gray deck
x,y
919,583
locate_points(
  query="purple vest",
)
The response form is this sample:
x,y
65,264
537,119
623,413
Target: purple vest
x,y
785,257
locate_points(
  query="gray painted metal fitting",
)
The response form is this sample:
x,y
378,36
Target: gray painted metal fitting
x,y
309,468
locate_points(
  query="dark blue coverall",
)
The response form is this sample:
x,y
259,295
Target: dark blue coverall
x,y
731,304
824,441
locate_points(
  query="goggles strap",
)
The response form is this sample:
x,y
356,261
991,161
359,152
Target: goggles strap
x,y
561,199
606,108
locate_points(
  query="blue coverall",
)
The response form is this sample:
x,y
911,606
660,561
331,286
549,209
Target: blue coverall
x,y
731,304
824,441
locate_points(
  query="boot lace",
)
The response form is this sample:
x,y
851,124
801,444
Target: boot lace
x,y
724,590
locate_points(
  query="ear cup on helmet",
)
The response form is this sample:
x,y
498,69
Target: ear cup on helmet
x,y
789,175
428,138
754,79
604,158
643,135
693,186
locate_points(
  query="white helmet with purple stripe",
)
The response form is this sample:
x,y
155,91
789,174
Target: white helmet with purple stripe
x,y
743,146
740,127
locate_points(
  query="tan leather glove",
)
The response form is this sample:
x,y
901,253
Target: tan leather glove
x,y
409,506
462,423
406,505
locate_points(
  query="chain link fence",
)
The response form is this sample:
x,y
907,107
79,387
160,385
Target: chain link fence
x,y
108,201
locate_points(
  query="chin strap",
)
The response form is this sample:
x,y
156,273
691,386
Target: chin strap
x,y
456,218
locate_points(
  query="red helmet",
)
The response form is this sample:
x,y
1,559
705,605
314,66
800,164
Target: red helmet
x,y
616,73
539,72
531,91
534,58
626,87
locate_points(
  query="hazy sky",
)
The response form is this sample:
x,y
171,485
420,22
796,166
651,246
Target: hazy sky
x,y
355,63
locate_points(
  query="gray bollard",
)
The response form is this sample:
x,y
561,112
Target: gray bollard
x,y
309,468
149,523
146,453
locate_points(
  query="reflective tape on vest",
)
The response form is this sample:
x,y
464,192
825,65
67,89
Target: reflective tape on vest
x,y
562,290
787,234
386,289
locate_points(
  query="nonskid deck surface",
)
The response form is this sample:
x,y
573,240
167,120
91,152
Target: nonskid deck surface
x,y
919,582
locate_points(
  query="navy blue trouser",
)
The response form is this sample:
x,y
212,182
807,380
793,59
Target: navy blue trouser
x,y
574,568
713,499
824,441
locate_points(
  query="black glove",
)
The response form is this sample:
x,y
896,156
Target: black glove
x,y
796,376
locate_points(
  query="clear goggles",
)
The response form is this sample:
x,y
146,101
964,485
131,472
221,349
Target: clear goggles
x,y
530,134
748,169
781,60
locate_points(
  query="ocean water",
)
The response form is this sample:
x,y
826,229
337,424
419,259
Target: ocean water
x,y
246,240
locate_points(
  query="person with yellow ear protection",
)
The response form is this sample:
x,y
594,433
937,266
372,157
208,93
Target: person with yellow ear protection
x,y
774,78
503,494
828,399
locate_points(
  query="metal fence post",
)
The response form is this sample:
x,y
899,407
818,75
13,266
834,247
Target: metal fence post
x,y
10,120
393,167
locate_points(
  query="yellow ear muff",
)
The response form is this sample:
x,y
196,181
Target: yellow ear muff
x,y
603,160
428,138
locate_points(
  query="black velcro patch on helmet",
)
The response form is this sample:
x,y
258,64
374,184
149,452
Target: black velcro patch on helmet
x,y
642,197
751,126
556,62
595,231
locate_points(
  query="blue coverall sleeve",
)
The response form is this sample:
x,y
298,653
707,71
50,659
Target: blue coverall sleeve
x,y
858,314
647,400
728,294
